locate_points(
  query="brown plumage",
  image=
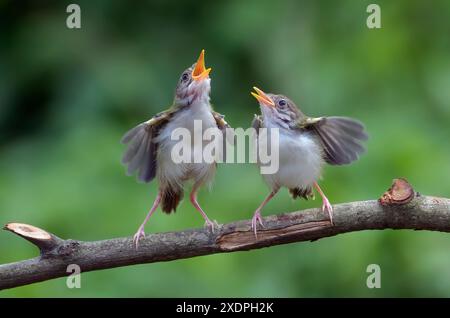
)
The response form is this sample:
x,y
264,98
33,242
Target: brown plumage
x,y
170,200
305,193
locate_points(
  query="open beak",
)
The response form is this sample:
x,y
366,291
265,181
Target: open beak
x,y
262,97
200,72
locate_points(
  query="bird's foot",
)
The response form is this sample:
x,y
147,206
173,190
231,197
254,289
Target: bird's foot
x,y
326,207
211,225
256,219
139,235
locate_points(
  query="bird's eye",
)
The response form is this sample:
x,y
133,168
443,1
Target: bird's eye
x,y
281,103
185,77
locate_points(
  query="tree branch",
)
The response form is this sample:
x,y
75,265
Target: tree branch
x,y
399,208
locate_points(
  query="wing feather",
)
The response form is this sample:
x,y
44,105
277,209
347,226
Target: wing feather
x,y
257,123
342,138
227,134
140,154
223,125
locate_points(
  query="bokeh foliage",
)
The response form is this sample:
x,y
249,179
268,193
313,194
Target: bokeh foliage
x,y
67,96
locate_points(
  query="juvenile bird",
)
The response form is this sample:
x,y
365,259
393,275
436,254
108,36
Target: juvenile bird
x,y
150,144
305,144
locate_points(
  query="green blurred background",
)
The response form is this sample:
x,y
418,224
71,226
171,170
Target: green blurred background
x,y
67,96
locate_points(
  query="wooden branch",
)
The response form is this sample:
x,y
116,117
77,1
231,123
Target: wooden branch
x,y
46,242
399,208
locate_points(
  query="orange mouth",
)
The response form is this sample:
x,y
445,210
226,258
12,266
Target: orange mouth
x,y
262,97
200,72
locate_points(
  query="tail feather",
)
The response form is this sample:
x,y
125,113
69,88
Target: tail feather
x,y
170,200
305,193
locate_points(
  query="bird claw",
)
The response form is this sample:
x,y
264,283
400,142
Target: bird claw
x,y
326,207
139,235
211,225
256,219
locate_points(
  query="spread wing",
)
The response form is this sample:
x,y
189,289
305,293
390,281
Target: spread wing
x,y
140,154
228,134
223,125
342,137
257,123
220,120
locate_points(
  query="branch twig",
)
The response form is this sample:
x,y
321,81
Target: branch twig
x,y
399,208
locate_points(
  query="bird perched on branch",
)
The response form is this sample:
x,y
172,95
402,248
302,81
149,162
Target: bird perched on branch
x,y
150,144
305,144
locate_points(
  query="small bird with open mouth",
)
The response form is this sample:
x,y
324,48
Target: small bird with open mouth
x,y
305,144
150,144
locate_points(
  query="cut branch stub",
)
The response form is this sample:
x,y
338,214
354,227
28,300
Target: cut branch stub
x,y
45,241
401,192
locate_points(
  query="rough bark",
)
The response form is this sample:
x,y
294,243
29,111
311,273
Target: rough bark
x,y
399,208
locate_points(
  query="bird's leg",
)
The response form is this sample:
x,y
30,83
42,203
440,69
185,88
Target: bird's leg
x,y
326,206
140,232
257,216
193,197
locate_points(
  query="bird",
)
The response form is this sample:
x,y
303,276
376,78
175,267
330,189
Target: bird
x,y
305,145
150,145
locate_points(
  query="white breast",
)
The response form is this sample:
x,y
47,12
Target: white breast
x,y
300,161
175,174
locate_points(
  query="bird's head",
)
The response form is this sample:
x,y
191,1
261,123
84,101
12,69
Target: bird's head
x,y
194,83
277,110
